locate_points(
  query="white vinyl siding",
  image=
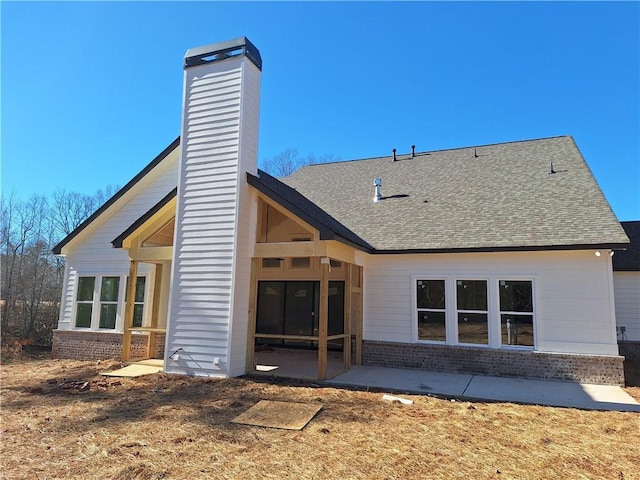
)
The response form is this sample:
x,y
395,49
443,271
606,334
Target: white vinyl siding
x,y
571,296
91,252
210,271
626,286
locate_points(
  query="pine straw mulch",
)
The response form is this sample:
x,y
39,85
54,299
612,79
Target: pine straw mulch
x,y
61,419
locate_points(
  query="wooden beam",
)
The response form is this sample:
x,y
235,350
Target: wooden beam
x,y
261,225
253,309
359,300
157,296
155,308
338,336
340,251
290,249
323,322
128,311
286,337
151,254
347,315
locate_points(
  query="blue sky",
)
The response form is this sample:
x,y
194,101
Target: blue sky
x,y
91,92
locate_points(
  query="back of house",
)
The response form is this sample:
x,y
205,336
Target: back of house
x,y
491,259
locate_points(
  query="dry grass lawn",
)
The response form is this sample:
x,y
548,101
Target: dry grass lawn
x,y
61,419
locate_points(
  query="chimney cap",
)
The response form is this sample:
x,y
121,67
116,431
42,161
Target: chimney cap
x,y
235,47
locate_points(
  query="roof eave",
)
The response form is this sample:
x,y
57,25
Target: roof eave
x,y
522,248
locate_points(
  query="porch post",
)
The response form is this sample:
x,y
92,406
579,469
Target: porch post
x,y
128,312
346,347
358,314
157,286
323,324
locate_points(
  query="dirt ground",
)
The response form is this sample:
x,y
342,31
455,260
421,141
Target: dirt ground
x,y
61,419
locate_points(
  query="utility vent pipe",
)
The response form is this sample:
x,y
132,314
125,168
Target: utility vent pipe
x,y
413,151
377,185
394,155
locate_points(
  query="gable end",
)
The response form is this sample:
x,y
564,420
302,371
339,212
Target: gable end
x,y
57,250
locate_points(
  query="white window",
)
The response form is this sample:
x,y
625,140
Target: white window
x,y
516,312
431,304
100,301
457,310
472,311
109,290
84,301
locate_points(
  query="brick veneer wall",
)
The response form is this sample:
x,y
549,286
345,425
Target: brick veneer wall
x,y
630,350
101,345
500,362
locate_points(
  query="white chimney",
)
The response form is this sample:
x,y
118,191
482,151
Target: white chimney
x,y
377,185
215,213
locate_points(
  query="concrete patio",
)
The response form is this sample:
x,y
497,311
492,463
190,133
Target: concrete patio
x,y
484,388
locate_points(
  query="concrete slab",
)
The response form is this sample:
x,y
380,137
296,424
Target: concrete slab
x,y
501,389
296,363
449,384
552,393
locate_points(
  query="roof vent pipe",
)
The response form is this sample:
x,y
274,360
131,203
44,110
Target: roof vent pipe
x,y
377,185
394,155
413,151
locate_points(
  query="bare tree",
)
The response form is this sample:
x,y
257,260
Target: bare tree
x,y
31,276
70,209
22,228
288,161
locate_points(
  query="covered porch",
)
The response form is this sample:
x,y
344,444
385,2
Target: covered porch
x,y
149,240
305,312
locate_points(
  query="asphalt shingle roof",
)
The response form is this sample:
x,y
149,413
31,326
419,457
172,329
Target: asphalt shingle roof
x,y
629,259
498,196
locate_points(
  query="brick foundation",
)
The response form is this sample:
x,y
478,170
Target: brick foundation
x,y
630,350
101,345
605,370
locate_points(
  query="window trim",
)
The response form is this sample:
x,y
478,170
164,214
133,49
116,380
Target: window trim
x,y
96,302
92,302
417,310
533,313
493,306
472,278
108,302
